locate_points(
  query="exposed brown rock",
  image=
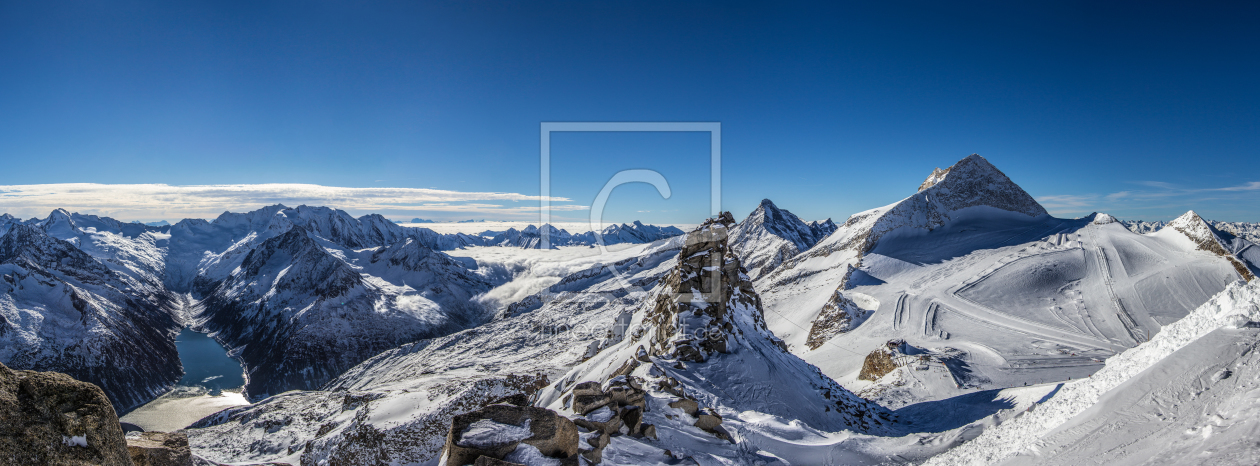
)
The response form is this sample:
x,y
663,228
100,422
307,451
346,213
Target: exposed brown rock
x,y
687,405
876,365
708,420
159,449
649,431
51,418
587,388
583,404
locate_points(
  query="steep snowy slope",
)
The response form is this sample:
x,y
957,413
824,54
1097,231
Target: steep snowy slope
x,y
1188,396
770,235
62,310
300,310
971,270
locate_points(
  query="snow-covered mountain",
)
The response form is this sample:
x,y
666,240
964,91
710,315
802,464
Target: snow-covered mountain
x,y
299,294
971,270
770,235
404,398
1249,231
299,310
63,310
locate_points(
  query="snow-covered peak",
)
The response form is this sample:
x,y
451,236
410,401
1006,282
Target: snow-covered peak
x,y
32,248
59,224
973,181
770,235
1103,219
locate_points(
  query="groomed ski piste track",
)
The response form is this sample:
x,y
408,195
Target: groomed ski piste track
x,y
1014,300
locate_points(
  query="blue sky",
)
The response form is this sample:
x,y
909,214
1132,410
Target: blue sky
x,y
1143,110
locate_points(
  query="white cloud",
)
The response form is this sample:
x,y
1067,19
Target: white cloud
x,y
1160,201
160,201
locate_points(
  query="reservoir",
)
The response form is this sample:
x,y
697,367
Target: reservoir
x,y
212,382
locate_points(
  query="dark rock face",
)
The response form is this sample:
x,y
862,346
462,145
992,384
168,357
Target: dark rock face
x,y
689,329
93,323
50,418
159,449
509,427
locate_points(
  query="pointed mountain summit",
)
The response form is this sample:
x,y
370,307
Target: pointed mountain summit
x,y
1212,240
970,184
973,181
770,235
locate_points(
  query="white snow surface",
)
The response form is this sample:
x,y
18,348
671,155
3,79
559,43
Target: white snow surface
x,y
486,433
1154,401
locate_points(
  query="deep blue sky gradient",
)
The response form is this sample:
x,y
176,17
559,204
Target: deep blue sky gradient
x,y
1143,110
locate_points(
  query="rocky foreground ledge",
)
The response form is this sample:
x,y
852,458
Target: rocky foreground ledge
x,y
51,418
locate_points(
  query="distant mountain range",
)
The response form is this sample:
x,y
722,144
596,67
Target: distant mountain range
x,y
908,329
299,294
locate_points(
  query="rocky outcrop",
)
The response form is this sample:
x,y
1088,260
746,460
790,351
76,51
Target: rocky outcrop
x,y
838,316
696,316
507,432
880,362
620,413
51,418
159,449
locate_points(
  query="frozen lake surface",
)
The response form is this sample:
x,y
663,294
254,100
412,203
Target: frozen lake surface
x,y
212,382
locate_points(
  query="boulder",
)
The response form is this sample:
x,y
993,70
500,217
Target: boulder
x,y
51,418
708,419
649,431
583,404
612,426
626,395
159,449
500,428
597,440
687,405
588,388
